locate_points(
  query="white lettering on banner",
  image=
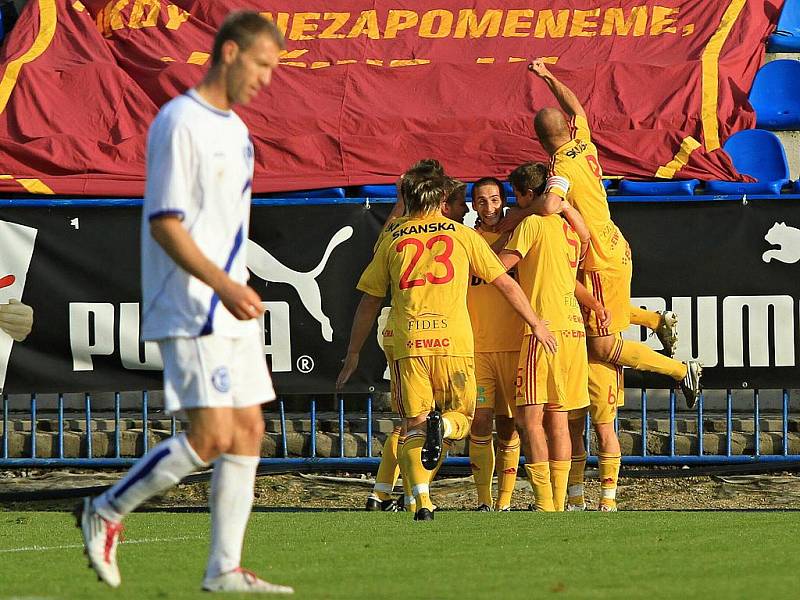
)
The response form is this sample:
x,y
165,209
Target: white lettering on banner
x,y
758,327
129,336
277,324
82,329
92,327
739,314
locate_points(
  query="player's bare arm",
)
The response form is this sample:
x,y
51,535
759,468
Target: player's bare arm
x,y
241,300
368,308
589,302
516,298
576,221
566,97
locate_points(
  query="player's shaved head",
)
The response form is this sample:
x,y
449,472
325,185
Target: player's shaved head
x,y
551,128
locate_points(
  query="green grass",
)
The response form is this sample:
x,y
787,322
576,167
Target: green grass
x,y
459,555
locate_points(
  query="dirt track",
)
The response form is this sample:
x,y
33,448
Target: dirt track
x,y
349,491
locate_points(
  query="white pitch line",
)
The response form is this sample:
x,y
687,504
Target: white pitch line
x,y
124,543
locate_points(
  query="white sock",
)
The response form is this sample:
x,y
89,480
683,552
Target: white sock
x,y
230,502
157,471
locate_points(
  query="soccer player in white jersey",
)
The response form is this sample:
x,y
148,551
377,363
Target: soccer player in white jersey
x,y
198,307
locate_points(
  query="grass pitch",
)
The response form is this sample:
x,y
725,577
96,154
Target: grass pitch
x,y
460,555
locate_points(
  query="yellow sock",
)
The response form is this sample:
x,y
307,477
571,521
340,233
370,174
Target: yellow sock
x,y
456,425
575,480
481,461
608,464
417,475
539,474
507,464
559,474
638,356
389,470
408,492
647,318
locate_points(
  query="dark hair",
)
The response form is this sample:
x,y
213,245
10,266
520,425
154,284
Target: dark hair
x,y
454,190
529,176
489,181
429,164
423,195
242,27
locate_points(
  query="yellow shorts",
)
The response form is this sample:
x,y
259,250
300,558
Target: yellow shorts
x,y
444,382
496,374
612,288
560,379
606,393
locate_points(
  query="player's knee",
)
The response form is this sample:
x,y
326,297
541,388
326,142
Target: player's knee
x,y
482,422
251,430
505,427
210,444
600,348
606,436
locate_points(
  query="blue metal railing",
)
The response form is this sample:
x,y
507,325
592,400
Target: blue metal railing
x,y
645,457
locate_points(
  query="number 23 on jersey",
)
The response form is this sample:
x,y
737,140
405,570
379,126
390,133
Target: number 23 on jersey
x,y
441,249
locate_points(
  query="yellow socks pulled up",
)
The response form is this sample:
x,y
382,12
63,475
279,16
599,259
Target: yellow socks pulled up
x,y
639,356
539,474
559,473
417,475
608,465
389,469
481,461
507,464
646,318
409,502
575,480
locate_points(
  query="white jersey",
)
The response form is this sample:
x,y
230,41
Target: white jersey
x,y
199,167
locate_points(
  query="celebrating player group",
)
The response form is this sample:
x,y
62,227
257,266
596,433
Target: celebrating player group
x,y
518,321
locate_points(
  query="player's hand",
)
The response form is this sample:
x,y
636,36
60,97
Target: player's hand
x,y
513,217
348,368
545,337
603,316
242,301
16,319
538,67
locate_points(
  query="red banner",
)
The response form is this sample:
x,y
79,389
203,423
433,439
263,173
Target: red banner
x,y
367,88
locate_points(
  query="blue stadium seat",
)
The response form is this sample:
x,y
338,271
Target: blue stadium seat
x,y
796,187
757,153
375,191
684,187
787,34
607,183
775,95
322,193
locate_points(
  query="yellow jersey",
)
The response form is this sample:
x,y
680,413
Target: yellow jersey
x,y
427,262
550,251
387,333
577,161
496,326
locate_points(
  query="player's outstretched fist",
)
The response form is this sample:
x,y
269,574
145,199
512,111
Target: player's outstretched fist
x,y
16,319
545,337
538,67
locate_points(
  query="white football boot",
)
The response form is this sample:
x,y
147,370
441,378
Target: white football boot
x,y
242,580
100,539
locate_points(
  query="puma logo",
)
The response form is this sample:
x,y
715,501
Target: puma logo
x,y
268,268
788,238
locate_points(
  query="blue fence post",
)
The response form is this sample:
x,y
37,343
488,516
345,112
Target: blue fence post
x,y
644,422
117,434
700,424
672,422
341,426
284,443
145,427
756,424
369,426
60,425
313,428
728,422
785,448
87,407
33,425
